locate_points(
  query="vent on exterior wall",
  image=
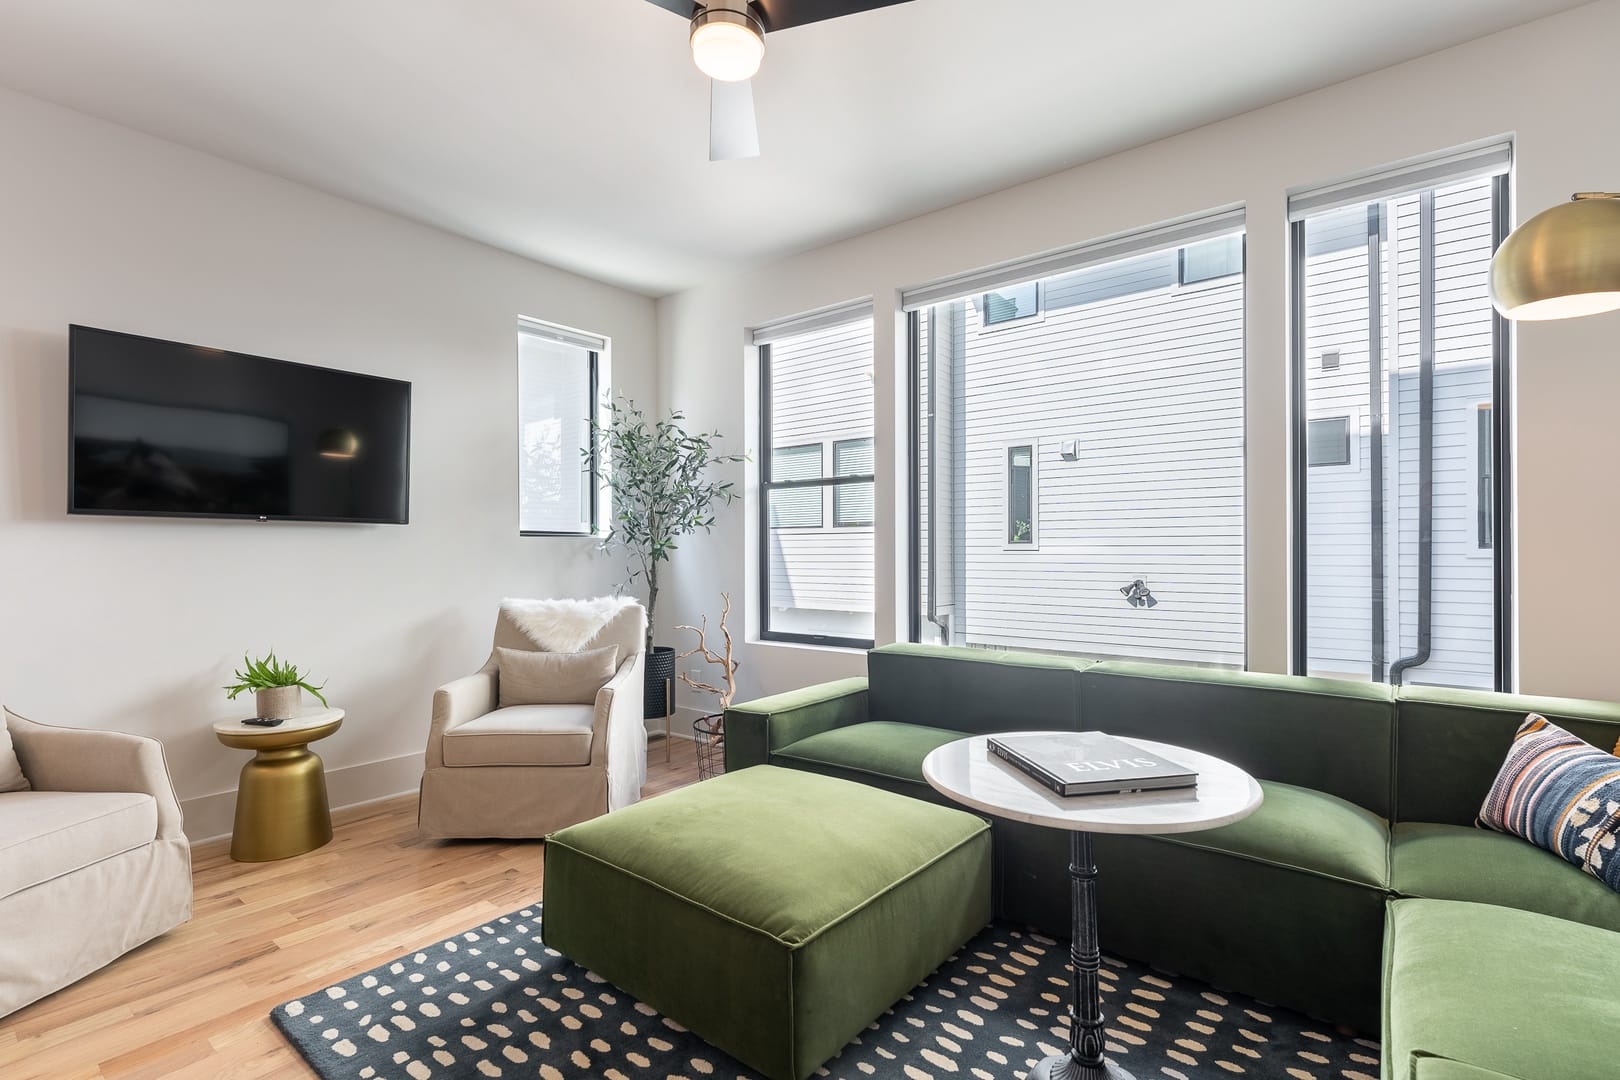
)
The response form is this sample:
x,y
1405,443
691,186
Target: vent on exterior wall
x,y
1330,360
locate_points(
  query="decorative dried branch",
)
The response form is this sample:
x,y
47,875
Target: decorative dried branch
x,y
728,666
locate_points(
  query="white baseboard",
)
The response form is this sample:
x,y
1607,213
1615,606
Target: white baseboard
x,y
210,817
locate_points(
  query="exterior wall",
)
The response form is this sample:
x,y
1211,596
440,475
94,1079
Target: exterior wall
x,y
1145,378
1339,551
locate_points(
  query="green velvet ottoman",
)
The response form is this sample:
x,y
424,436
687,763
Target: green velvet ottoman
x,y
775,913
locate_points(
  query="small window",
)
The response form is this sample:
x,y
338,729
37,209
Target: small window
x,y
1211,259
1007,305
1021,496
796,508
557,398
852,502
1485,479
1327,441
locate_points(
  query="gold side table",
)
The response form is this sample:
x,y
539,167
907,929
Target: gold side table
x,y
281,806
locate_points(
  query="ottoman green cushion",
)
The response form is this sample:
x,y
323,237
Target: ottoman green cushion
x,y
1510,991
774,912
1455,862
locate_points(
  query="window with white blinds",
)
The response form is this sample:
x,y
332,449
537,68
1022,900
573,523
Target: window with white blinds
x,y
1061,459
1400,371
557,394
816,409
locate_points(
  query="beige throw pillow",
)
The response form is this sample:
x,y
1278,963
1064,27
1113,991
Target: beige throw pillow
x,y
11,774
554,678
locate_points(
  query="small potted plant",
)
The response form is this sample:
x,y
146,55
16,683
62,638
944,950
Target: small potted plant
x,y
710,730
276,685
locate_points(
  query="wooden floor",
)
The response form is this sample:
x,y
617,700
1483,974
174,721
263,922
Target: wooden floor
x,y
195,1003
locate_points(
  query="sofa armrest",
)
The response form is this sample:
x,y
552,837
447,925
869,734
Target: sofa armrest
x,y
619,733
83,759
757,729
457,702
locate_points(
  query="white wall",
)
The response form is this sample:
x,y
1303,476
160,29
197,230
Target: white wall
x,y
135,624
1535,82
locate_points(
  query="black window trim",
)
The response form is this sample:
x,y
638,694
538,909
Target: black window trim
x,y
596,463
766,486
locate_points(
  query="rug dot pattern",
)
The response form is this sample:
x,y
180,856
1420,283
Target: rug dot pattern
x,y
494,1001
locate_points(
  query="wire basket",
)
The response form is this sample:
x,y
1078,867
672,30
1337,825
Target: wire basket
x,y
710,732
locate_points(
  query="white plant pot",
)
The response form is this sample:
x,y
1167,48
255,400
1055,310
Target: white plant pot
x,y
279,702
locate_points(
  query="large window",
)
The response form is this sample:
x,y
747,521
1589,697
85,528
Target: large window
x,y
816,560
1063,459
557,398
1400,576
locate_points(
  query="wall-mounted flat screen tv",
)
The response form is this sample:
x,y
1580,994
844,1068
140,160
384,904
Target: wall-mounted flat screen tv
x,y
162,429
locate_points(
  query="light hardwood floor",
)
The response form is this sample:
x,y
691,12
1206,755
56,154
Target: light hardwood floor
x,y
195,1003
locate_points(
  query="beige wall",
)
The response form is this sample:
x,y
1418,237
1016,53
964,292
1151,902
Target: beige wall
x,y
1540,83
135,624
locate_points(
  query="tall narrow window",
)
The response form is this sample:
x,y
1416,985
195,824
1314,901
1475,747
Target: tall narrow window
x,y
1061,460
1398,574
558,371
1021,495
816,576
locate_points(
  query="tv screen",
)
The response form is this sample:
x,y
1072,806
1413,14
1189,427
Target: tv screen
x,y
158,428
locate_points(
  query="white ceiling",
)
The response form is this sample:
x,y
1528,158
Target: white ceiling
x,y
574,131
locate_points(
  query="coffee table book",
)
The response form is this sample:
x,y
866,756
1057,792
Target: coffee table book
x,y
1090,763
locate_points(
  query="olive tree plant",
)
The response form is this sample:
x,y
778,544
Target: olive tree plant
x,y
658,474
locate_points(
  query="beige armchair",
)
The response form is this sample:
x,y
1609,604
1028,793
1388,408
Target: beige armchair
x,y
528,770
93,861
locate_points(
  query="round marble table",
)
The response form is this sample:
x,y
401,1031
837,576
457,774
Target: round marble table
x,y
281,805
968,773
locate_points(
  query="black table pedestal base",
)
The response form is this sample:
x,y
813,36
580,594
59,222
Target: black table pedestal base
x,y
1085,1060
1064,1067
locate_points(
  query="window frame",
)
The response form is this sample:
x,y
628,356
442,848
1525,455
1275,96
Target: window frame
x,y
768,485
821,470
1034,543
595,405
1501,453
844,481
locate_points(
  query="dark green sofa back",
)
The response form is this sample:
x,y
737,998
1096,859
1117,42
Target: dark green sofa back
x,y
974,691
1451,743
1318,733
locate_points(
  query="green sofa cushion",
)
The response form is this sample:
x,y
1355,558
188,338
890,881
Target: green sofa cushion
x,y
757,727
1456,862
974,691
1310,831
1317,733
774,912
1512,991
882,748
1450,744
1439,1068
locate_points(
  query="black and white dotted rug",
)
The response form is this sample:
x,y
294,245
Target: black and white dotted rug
x,y
495,1002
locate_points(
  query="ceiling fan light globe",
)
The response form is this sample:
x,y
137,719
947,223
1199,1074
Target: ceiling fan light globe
x,y
727,45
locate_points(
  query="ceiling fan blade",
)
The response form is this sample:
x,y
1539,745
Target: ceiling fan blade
x,y
733,134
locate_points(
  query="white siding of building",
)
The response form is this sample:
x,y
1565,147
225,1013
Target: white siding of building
x,y
1339,544
821,393
1145,377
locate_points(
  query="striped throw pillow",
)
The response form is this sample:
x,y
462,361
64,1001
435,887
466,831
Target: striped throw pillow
x,y
1560,793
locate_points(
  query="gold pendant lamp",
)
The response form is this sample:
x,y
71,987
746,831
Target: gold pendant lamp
x,y
1563,263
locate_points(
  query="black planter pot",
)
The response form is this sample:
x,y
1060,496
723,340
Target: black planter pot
x,y
660,690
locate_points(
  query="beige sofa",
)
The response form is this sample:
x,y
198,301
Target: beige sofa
x,y
92,860
528,770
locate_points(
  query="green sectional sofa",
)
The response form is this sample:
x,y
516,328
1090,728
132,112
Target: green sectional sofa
x,y
1370,796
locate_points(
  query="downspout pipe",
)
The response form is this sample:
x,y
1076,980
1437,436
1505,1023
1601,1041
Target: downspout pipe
x,y
1425,596
1375,425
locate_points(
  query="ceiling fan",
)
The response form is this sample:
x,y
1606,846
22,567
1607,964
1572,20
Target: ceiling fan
x,y
728,43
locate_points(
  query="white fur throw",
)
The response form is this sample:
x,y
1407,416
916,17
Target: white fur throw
x,y
566,625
